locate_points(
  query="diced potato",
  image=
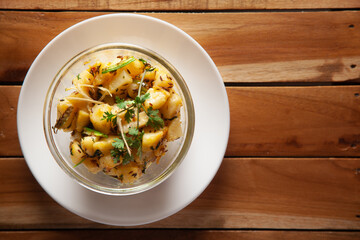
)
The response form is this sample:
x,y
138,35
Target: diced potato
x,y
120,83
106,162
133,90
85,77
87,144
102,79
143,119
104,145
163,80
172,106
158,98
128,173
82,120
96,118
134,68
174,130
78,103
150,76
92,165
77,154
66,113
151,140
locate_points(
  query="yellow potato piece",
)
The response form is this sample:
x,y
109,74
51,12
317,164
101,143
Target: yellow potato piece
x,y
87,144
82,120
163,80
104,145
172,106
76,153
174,130
151,140
158,98
120,83
96,118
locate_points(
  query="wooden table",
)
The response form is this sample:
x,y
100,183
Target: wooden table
x,y
292,74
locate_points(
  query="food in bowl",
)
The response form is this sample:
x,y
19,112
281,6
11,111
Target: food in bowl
x,y
121,116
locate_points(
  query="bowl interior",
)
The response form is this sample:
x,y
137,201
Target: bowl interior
x,y
59,143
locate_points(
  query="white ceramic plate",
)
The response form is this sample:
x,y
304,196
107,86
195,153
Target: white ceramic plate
x,y
212,121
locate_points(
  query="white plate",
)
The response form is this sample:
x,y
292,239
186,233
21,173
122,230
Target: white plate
x,y
212,121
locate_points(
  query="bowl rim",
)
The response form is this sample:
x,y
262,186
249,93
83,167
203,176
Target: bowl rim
x,y
181,152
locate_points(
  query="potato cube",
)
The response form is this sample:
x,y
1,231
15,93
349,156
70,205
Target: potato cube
x,y
120,83
143,119
92,165
172,106
134,68
106,162
104,145
151,140
87,144
158,98
66,113
96,118
82,120
174,130
163,80
77,154
128,173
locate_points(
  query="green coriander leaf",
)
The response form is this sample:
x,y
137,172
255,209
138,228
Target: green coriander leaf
x,y
108,116
154,120
118,143
127,159
124,104
133,131
118,100
78,76
129,115
142,98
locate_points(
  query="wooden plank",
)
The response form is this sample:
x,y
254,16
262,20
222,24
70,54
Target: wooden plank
x,y
158,234
9,142
247,47
289,193
265,121
158,5
294,121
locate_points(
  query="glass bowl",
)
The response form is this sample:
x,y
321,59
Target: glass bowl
x,y
59,142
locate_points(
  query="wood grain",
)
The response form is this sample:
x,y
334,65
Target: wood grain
x,y
151,234
246,193
265,121
158,5
247,47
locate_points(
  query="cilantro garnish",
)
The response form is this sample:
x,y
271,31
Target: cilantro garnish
x,y
155,121
108,116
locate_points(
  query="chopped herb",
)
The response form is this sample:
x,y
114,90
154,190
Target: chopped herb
x,y
118,65
154,120
143,61
133,131
118,143
92,132
78,76
108,116
82,160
